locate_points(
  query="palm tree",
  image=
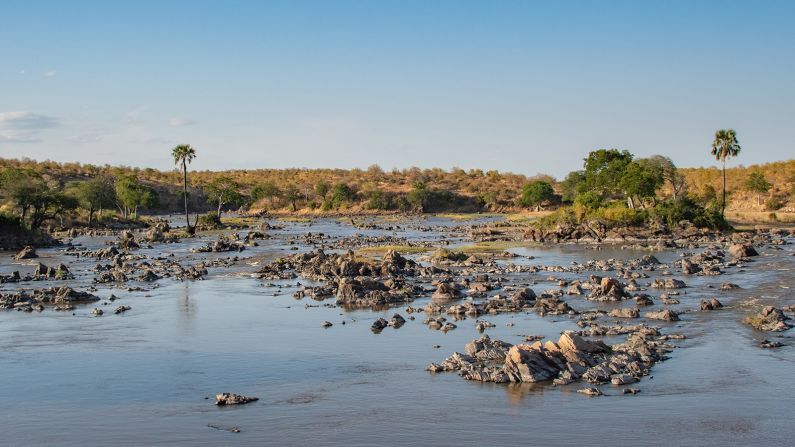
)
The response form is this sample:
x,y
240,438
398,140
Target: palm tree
x,y
725,146
184,154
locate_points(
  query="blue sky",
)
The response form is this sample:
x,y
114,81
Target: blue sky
x,y
522,86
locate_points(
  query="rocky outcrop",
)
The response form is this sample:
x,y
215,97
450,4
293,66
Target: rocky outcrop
x,y
711,304
571,359
770,319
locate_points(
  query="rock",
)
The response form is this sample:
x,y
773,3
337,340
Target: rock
x,y
569,341
728,286
711,304
446,291
233,399
669,283
770,319
627,312
97,312
689,268
644,300
664,314
327,324
631,391
396,321
379,325
742,250
622,379
526,363
592,391
121,309
26,253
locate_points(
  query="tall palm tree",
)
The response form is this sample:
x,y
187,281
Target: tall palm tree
x,y
725,146
184,154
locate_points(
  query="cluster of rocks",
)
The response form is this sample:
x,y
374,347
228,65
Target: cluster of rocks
x,y
770,319
571,359
63,298
223,244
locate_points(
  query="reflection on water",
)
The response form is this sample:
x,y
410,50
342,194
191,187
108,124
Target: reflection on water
x,y
141,378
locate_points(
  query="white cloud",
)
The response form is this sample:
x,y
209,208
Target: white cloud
x,y
134,115
24,127
179,121
50,74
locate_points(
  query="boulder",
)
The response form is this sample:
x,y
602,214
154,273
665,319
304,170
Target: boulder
x,y
711,304
26,253
742,250
664,314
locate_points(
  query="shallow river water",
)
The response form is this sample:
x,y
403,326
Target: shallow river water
x,y
144,377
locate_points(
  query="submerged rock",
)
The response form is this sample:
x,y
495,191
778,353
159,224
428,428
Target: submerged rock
x,y
664,314
26,253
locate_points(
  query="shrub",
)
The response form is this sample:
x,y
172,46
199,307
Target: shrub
x,y
210,219
774,203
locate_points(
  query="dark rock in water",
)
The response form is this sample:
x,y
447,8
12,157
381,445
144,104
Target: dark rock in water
x,y
148,276
446,291
26,253
770,319
121,309
631,391
327,324
233,399
97,312
742,250
397,321
609,289
689,268
379,325
712,304
644,300
664,314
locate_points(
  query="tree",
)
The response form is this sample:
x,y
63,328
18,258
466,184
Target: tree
x,y
670,174
570,185
92,195
341,193
321,189
640,179
183,155
131,194
535,193
266,190
725,146
757,183
603,171
291,195
223,190
418,195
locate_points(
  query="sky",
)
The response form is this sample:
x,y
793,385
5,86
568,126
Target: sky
x,y
522,86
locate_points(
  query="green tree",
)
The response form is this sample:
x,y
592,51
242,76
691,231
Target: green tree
x,y
291,195
321,189
570,186
341,193
419,195
640,180
223,190
603,171
183,155
535,193
757,183
725,146
131,195
93,195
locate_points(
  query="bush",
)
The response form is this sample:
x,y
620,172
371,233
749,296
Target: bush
x,y
675,211
618,213
210,219
774,203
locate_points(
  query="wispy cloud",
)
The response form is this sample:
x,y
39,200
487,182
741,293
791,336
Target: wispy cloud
x,y
134,115
179,121
50,73
24,127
